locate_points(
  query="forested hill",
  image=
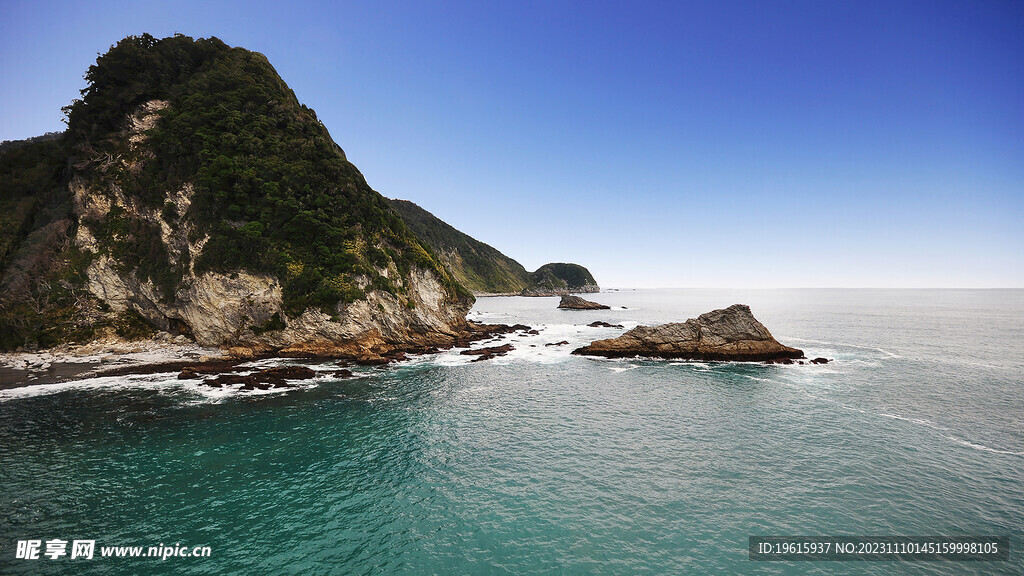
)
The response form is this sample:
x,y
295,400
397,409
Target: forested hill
x,y
189,165
478,266
485,270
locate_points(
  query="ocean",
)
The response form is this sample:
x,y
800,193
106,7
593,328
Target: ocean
x,y
540,462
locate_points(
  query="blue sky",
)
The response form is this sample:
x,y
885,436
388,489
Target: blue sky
x,y
661,144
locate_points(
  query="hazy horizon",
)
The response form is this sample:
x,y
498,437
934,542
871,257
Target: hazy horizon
x,y
745,144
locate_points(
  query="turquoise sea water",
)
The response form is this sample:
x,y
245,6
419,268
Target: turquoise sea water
x,y
545,463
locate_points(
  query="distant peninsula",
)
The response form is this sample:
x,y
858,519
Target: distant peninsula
x,y
486,271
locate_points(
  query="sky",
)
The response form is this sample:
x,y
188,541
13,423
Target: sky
x,y
660,144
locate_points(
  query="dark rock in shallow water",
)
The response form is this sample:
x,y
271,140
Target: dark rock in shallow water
x,y
600,324
493,350
728,334
230,380
260,379
562,343
289,372
577,303
476,332
488,353
819,361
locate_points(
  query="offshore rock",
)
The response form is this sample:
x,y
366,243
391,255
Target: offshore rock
x,y
260,379
601,324
488,353
577,303
727,334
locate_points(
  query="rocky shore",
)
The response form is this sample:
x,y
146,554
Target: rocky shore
x,y
113,357
728,334
74,362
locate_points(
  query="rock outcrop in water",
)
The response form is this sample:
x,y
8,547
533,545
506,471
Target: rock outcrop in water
x,y
727,334
577,303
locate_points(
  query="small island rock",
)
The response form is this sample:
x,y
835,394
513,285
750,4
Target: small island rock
x,y
577,303
728,334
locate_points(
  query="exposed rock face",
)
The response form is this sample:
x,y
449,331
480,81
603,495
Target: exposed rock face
x,y
577,303
303,259
220,309
728,334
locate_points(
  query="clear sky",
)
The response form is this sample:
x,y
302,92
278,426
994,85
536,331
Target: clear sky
x,y
661,144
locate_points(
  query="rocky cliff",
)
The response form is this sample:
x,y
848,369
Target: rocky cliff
x,y
203,199
727,334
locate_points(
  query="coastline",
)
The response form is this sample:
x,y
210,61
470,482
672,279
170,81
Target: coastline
x,y
116,357
107,357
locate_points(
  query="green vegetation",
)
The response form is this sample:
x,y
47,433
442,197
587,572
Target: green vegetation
x,y
562,276
483,269
32,174
474,264
44,301
130,325
273,323
136,245
42,290
273,192
205,142
268,192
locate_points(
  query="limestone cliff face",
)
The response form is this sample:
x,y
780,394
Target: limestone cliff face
x,y
235,309
194,193
728,334
210,202
217,309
